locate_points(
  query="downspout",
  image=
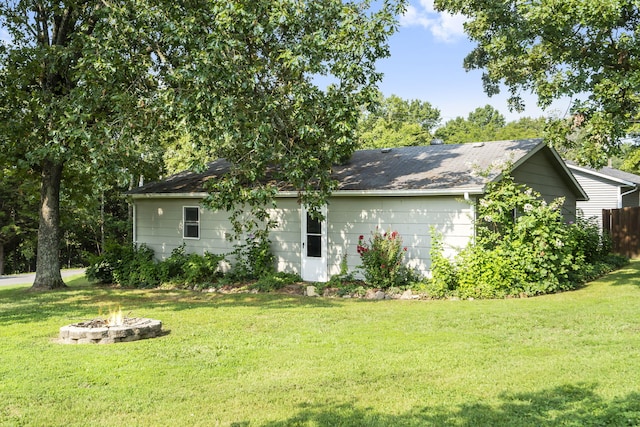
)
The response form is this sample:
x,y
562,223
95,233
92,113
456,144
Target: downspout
x,y
467,198
621,195
133,222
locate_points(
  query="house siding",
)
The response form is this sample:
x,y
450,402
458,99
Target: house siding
x,y
411,217
603,194
539,173
159,226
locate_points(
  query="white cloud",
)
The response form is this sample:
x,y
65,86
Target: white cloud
x,y
444,26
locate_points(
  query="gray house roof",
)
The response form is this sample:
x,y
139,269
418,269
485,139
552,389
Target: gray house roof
x,y
621,178
432,169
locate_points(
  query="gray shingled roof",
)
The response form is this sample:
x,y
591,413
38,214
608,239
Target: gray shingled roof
x,y
452,167
610,172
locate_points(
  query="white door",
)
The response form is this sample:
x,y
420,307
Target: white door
x,y
314,247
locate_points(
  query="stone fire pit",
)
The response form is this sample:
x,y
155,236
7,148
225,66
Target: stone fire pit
x,y
99,331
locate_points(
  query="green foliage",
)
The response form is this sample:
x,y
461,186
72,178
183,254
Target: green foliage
x,y
484,273
253,259
18,214
135,267
395,122
522,247
191,269
515,220
487,124
631,162
275,281
443,272
594,245
286,108
127,265
382,259
337,280
580,49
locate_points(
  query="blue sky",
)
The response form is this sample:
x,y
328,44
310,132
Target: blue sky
x,y
426,59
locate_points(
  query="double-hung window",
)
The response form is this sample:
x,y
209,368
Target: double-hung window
x,y
191,222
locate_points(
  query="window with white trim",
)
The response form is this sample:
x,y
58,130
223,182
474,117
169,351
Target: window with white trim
x,y
191,222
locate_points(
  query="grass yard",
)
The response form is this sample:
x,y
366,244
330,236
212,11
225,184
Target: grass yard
x,y
276,360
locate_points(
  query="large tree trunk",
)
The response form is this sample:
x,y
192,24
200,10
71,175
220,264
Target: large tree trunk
x,y
48,258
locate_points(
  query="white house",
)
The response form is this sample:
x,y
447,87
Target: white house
x,y
607,188
409,190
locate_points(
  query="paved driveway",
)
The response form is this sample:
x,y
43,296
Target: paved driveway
x,y
27,279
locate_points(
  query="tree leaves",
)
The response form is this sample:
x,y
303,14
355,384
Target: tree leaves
x,y
587,50
395,122
285,80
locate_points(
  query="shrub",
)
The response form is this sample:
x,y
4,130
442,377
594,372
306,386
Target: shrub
x,y
522,246
589,240
125,265
200,270
487,274
135,267
253,259
275,281
382,258
443,271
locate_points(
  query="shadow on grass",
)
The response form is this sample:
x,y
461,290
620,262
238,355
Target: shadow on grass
x,y
19,305
627,275
568,405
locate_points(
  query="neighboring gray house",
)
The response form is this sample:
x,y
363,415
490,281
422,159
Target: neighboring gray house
x,y
607,188
408,190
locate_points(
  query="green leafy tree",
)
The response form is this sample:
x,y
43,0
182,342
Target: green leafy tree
x,y
18,202
91,89
488,124
395,122
523,128
76,91
583,49
267,109
629,160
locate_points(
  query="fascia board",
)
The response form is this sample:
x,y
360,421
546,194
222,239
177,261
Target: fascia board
x,y
337,193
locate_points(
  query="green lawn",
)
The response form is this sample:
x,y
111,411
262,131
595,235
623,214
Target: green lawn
x,y
276,360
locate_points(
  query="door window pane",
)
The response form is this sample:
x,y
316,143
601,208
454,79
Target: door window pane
x,y
314,226
314,237
314,246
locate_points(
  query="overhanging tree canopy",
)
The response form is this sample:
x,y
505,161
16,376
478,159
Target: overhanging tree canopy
x,y
93,86
584,49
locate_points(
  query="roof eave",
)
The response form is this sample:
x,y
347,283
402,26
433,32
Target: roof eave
x,y
623,182
463,191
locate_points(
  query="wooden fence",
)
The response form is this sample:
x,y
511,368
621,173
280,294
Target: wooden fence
x,y
623,225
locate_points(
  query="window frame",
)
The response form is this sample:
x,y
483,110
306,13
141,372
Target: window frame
x,y
188,224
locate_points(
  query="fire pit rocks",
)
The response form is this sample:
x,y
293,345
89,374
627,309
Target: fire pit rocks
x,y
99,331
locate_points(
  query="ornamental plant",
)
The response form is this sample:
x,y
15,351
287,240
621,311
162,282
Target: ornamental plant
x,y
382,259
522,247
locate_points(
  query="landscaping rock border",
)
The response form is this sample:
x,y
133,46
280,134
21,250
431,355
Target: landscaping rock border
x,y
134,329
